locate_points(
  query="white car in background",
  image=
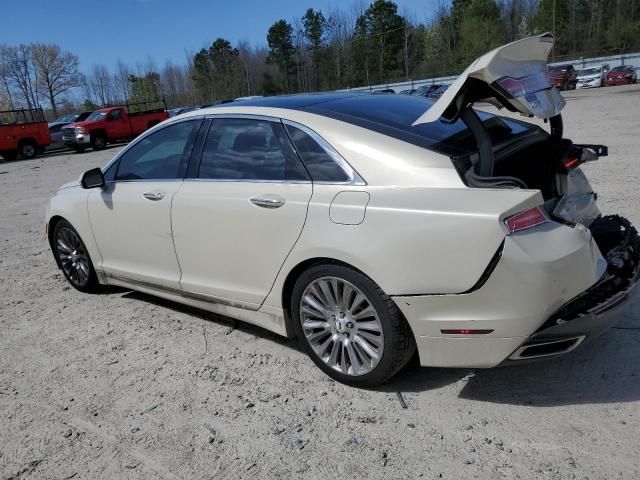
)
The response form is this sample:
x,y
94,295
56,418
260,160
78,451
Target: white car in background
x,y
592,76
370,226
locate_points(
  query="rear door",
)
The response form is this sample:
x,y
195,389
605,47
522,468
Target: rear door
x,y
238,217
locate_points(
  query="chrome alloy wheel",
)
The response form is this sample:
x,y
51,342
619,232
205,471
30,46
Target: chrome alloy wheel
x,y
72,256
341,326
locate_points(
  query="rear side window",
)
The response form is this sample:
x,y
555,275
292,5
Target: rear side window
x,y
247,149
319,163
163,154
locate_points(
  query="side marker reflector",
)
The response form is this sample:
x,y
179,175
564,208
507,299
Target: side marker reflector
x,y
465,331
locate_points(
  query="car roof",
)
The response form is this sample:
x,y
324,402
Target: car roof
x,y
296,102
386,113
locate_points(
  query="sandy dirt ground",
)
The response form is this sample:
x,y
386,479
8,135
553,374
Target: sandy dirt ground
x,y
121,385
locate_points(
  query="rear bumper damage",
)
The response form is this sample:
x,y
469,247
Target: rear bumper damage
x,y
600,306
551,290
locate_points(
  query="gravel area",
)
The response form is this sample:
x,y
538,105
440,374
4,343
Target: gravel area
x,y
122,385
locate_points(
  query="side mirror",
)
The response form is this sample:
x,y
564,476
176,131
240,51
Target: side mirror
x,y
92,178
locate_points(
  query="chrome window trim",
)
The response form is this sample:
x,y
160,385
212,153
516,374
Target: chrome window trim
x,y
242,116
144,180
144,135
354,177
246,180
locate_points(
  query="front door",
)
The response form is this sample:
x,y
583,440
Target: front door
x,y
131,217
235,224
118,124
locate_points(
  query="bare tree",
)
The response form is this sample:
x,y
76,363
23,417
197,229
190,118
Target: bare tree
x,y
20,73
99,85
122,88
57,71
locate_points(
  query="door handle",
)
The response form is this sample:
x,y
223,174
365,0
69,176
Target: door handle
x,y
153,195
268,201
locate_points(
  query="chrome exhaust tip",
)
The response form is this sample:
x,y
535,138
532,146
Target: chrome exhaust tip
x,y
548,348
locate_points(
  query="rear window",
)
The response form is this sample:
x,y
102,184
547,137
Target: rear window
x,y
393,115
621,69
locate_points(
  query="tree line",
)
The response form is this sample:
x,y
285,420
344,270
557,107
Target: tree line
x,y
362,44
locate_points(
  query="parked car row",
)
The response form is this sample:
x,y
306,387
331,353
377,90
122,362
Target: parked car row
x,y
25,132
566,77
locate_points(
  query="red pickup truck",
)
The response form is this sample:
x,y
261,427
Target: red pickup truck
x,y
112,124
23,133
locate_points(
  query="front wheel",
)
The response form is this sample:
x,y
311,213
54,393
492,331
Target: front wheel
x,y
349,327
73,258
98,142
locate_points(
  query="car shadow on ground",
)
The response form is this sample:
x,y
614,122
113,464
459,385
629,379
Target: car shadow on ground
x,y
604,370
214,318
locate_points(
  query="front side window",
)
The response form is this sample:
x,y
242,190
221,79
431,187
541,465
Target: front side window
x,y
248,149
320,164
115,115
161,155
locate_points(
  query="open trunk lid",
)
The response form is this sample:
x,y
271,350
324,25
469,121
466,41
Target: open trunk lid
x,y
513,75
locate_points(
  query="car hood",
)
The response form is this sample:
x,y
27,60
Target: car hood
x,y
82,124
589,77
618,74
75,183
514,75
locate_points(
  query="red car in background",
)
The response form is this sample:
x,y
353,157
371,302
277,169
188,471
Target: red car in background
x,y
112,124
564,77
623,75
23,133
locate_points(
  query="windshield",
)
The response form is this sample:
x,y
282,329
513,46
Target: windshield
x,y
64,118
96,116
557,69
589,71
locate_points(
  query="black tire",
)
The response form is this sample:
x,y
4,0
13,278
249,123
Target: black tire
x,y
399,344
60,233
28,150
98,141
9,155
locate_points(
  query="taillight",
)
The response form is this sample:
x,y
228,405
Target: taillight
x,y
571,162
519,87
527,219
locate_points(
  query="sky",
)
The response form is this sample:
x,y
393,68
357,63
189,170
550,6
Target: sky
x,y
103,31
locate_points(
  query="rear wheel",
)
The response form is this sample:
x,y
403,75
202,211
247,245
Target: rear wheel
x,y
73,258
349,327
98,142
28,150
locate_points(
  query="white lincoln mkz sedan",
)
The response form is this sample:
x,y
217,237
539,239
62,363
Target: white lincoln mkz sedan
x,y
370,226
